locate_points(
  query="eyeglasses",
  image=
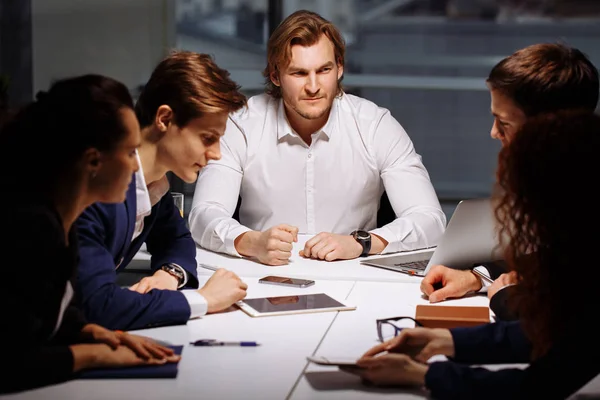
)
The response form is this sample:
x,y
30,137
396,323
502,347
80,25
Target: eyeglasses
x,y
387,328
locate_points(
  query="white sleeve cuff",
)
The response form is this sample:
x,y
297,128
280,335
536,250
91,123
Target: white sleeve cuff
x,y
228,234
484,283
387,235
197,302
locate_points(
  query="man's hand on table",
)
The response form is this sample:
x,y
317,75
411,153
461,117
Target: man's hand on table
x,y
330,246
159,280
271,247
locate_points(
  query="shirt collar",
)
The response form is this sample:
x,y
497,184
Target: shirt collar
x,y
284,128
143,205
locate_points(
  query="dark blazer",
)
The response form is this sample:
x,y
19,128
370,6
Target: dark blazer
x,y
37,264
495,268
105,232
567,367
499,301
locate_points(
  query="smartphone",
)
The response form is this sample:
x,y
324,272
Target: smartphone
x,y
282,280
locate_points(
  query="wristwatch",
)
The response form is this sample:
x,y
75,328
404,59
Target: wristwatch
x,y
176,271
364,238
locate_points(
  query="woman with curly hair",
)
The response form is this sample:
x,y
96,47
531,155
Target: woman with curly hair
x,y
544,175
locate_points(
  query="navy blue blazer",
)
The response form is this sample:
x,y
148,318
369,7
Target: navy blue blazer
x,y
105,232
564,369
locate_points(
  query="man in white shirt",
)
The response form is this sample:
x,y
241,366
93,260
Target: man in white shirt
x,y
306,158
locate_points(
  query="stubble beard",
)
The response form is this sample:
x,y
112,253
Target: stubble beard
x,y
313,115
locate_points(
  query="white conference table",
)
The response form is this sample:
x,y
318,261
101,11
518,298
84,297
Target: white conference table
x,y
269,371
300,267
278,368
351,334
274,370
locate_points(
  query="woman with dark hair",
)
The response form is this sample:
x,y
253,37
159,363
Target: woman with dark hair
x,y
545,175
79,139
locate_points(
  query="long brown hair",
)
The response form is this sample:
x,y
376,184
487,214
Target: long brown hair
x,y
303,28
547,210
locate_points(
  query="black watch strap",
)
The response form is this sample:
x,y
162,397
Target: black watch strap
x,y
364,239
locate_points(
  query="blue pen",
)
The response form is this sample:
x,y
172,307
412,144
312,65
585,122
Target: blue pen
x,y
213,342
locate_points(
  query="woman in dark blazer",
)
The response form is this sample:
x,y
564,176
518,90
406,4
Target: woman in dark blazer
x,y
75,146
547,207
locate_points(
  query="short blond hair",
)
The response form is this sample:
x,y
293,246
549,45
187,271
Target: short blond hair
x,y
303,28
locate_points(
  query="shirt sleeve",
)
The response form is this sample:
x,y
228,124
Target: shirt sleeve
x,y
197,302
495,268
104,301
37,366
484,283
420,221
29,314
564,369
494,343
216,195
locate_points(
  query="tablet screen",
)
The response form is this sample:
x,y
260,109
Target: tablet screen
x,y
293,303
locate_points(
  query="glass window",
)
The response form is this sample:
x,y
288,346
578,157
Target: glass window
x,y
424,60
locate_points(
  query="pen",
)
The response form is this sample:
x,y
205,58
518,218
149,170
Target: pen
x,y
210,342
482,275
212,268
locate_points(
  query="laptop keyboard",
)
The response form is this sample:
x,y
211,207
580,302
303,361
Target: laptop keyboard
x,y
415,265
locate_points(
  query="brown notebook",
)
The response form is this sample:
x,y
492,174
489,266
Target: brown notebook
x,y
433,316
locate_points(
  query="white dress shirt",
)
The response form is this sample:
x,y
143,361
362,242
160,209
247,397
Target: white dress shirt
x,y
333,185
143,195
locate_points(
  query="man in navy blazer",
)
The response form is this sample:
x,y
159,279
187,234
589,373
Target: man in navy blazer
x,y
182,112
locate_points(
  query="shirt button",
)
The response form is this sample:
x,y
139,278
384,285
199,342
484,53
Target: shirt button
x,y
309,155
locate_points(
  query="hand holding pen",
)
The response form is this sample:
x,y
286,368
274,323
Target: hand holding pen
x,y
223,289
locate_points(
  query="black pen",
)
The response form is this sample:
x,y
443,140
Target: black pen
x,y
209,342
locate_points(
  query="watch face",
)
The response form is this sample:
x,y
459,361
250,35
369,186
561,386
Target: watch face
x,y
363,235
173,271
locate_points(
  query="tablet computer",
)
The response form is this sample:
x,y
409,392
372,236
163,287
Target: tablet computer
x,y
296,304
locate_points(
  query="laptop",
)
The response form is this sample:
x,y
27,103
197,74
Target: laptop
x,y
470,238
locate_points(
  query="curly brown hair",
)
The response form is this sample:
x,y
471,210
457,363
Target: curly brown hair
x,y
545,177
